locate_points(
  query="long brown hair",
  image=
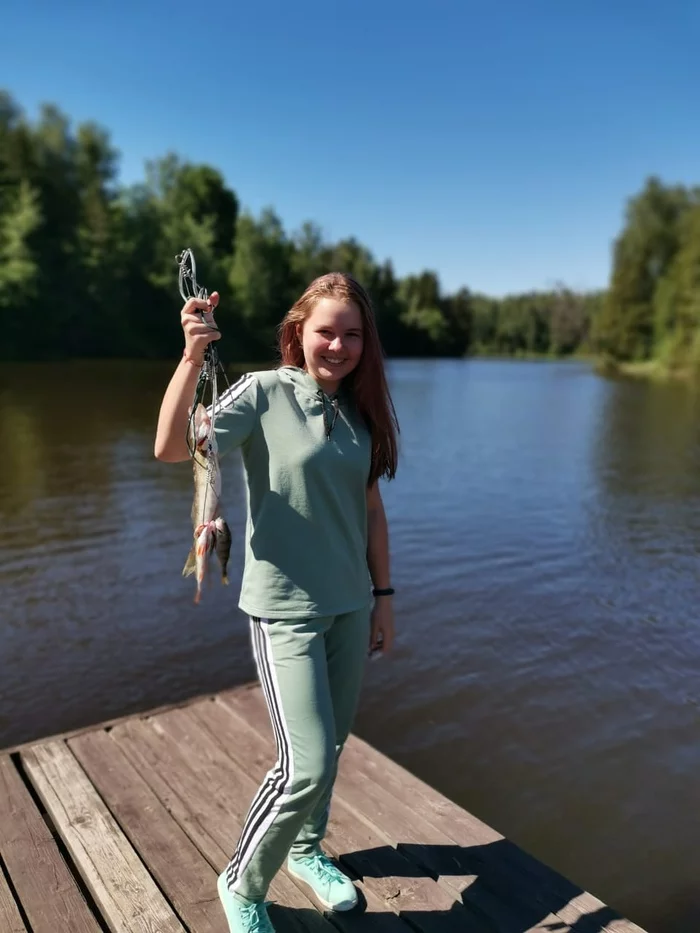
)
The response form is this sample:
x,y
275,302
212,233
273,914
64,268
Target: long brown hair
x,y
367,380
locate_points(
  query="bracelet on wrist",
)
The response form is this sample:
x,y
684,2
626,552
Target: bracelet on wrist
x,y
191,360
386,591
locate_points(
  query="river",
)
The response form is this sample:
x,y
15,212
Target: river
x,y
545,530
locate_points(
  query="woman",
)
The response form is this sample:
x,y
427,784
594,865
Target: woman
x,y
316,435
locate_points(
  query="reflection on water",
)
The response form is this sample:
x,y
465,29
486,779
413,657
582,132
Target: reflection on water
x,y
544,526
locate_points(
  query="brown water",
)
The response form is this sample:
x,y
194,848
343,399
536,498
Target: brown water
x,y
545,529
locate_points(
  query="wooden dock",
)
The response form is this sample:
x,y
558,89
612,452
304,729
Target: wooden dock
x,y
124,827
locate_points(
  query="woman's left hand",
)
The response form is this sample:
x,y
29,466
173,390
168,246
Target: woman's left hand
x,y
382,630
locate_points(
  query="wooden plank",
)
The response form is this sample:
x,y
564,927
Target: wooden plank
x,y
453,864
191,813
197,794
403,887
49,894
181,871
121,886
622,925
10,918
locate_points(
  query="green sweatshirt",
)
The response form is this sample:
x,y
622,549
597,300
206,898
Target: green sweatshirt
x,y
306,475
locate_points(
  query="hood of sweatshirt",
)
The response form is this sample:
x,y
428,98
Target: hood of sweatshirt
x,y
306,384
326,405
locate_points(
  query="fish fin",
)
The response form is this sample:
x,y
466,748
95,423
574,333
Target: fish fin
x,y
191,562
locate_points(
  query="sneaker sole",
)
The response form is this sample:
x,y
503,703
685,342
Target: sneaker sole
x,y
336,908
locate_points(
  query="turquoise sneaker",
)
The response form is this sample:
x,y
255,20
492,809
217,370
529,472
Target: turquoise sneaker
x,y
242,916
332,888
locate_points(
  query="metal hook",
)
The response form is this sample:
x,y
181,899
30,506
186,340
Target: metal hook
x,y
189,288
188,272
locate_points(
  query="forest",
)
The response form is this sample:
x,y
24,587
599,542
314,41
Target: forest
x,y
87,266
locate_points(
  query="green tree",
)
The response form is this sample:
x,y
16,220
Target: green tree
x,y
261,278
485,314
427,329
310,255
458,311
19,271
569,322
685,320
643,254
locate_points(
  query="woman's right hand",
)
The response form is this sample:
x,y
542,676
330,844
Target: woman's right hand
x,y
170,443
198,335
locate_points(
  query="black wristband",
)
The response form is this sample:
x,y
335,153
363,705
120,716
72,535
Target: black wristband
x,y
389,591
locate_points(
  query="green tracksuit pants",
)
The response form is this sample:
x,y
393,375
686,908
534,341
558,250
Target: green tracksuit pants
x,y
311,673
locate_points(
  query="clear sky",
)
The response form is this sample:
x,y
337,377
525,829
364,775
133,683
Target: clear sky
x,y
495,142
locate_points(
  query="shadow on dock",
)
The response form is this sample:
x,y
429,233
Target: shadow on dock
x,y
445,861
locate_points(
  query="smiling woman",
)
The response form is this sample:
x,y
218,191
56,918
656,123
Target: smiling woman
x,y
316,435
342,297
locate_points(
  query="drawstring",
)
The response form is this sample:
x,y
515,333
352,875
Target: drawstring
x,y
334,404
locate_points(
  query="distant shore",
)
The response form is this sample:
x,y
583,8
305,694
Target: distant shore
x,y
653,370
535,357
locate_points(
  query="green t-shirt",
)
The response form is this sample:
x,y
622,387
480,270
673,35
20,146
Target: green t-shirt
x,y
306,523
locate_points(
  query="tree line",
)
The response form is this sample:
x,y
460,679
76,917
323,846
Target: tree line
x,y
87,266
651,309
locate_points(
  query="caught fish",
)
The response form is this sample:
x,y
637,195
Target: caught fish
x,y
211,533
222,546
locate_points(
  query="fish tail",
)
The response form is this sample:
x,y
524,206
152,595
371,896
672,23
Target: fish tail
x,y
191,562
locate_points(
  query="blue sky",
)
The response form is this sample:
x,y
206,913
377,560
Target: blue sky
x,y
494,142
